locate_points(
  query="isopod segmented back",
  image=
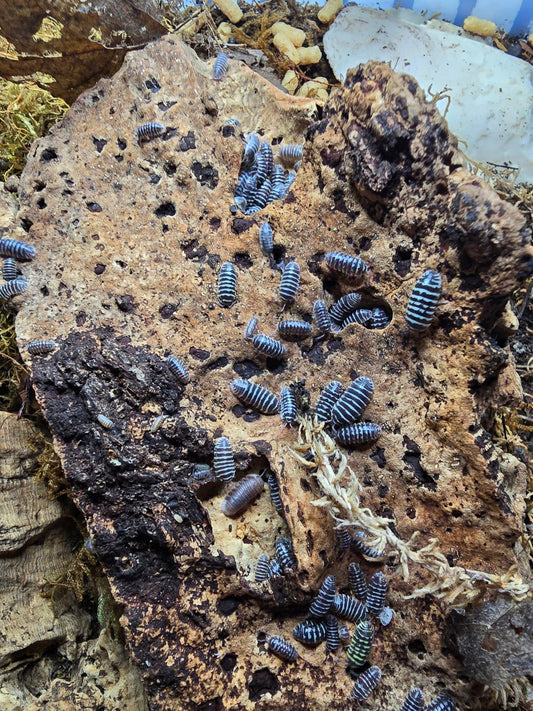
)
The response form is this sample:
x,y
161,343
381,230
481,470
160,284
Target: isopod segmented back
x,y
290,282
283,649
414,701
350,406
346,264
241,494
424,300
227,285
223,461
41,347
220,67
16,249
255,396
366,683
148,131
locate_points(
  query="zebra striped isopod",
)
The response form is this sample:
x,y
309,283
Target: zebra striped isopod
x,y
414,701
41,347
358,542
275,494
278,178
290,152
324,599
288,408
251,329
366,683
148,131
424,300
105,422
332,634
344,538
385,616
358,433
442,703
322,317
377,594
344,634
352,402
344,306
346,264
255,396
310,632
262,568
223,461
250,149
10,269
380,319
290,282
156,424
268,346
220,67
266,239
285,552
16,249
177,369
327,399
275,567
292,330
241,494
348,608
227,285
13,288
283,649
361,316
357,581
361,644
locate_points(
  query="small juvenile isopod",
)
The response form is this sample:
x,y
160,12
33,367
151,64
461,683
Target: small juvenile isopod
x,y
352,402
357,581
266,239
327,399
324,599
220,67
41,347
285,553
156,424
380,320
332,634
16,249
227,285
442,703
292,330
377,594
275,494
424,300
177,369
359,433
344,306
385,616
283,649
361,644
251,329
232,122
223,462
288,408
255,396
9,269
310,632
366,683
105,422
13,288
348,608
290,282
290,152
414,701
322,317
148,131
262,568
346,264
241,494
268,346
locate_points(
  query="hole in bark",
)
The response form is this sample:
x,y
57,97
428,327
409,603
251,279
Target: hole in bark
x,y
166,209
247,368
169,168
228,662
228,605
416,646
99,143
121,143
153,85
41,203
263,682
243,260
48,154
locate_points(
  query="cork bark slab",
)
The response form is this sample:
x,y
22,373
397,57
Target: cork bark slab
x,y
130,239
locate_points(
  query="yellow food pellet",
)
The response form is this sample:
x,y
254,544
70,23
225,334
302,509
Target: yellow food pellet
x,y
285,46
290,81
313,87
329,11
485,28
308,55
296,36
225,31
232,11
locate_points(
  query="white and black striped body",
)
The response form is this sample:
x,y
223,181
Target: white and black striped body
x,y
227,285
327,399
366,683
288,408
21,251
348,608
223,461
357,434
178,369
424,300
310,632
255,396
346,264
324,599
352,403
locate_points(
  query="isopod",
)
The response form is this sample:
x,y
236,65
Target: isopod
x,y
290,152
332,634
227,285
266,239
156,424
292,330
344,634
322,317
361,644
255,396
358,542
344,306
251,329
351,404
288,408
264,162
285,553
275,494
13,288
250,149
275,567
310,632
282,648
9,269
346,264
414,701
424,300
327,399
241,494
442,703
324,599
177,369
223,461
366,683
348,608
105,422
16,249
385,616
262,568
359,433
380,319
268,346
278,178
220,67
363,317
290,282
148,131
41,347
357,581
377,593
232,122
344,538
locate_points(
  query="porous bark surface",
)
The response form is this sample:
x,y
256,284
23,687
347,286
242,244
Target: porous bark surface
x,y
130,240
